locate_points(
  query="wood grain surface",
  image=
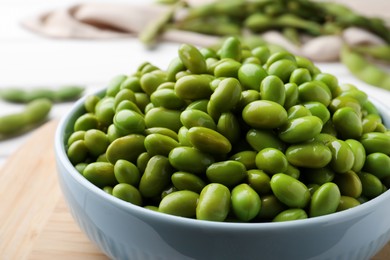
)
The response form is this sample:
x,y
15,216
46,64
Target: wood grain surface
x,y
34,219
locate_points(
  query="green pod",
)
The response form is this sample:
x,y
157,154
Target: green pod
x,y
187,181
251,75
319,110
193,87
342,156
77,152
127,172
300,129
371,185
231,48
128,147
127,193
129,122
300,76
180,203
264,114
159,144
192,59
100,174
347,123
261,139
248,158
349,184
77,135
226,95
96,142
325,200
208,140
292,93
290,214
229,127
376,142
347,203
90,103
358,152
162,131
228,173
166,98
227,68
37,110
114,84
297,111
214,203
378,164
259,181
156,177
193,117
318,176
105,111
189,159
198,105
67,93
270,207
271,161
162,117
246,203
151,80
175,66
331,81
85,122
282,69
315,91
133,83
309,155
272,89
290,191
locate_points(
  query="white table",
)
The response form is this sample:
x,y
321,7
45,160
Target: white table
x,y
29,60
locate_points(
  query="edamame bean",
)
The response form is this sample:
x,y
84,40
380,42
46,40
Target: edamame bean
x,y
100,174
359,153
214,203
226,96
259,181
300,129
192,59
189,159
271,161
129,122
180,203
96,141
159,144
193,87
261,139
377,164
342,156
315,91
246,203
347,123
349,184
272,89
376,142
128,147
371,185
156,177
250,76
208,140
264,114
325,200
127,193
188,181
309,155
193,117
290,191
162,117
228,173
245,157
347,203
229,127
290,214
127,172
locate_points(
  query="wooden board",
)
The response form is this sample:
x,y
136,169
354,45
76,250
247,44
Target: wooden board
x,y
34,220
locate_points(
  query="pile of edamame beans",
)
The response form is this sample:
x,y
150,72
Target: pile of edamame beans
x,y
234,134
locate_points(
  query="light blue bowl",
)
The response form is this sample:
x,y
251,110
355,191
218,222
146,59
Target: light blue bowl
x,y
125,231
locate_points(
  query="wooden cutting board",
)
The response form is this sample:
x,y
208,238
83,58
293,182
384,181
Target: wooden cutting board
x,y
34,219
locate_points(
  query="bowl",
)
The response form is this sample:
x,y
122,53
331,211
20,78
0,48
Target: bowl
x,y
125,231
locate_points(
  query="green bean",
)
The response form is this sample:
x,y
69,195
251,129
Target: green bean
x,y
34,113
364,70
62,94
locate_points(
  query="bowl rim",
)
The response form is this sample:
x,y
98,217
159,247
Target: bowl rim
x,y
342,216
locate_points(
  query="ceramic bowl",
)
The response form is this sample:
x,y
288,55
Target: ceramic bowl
x,y
125,231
